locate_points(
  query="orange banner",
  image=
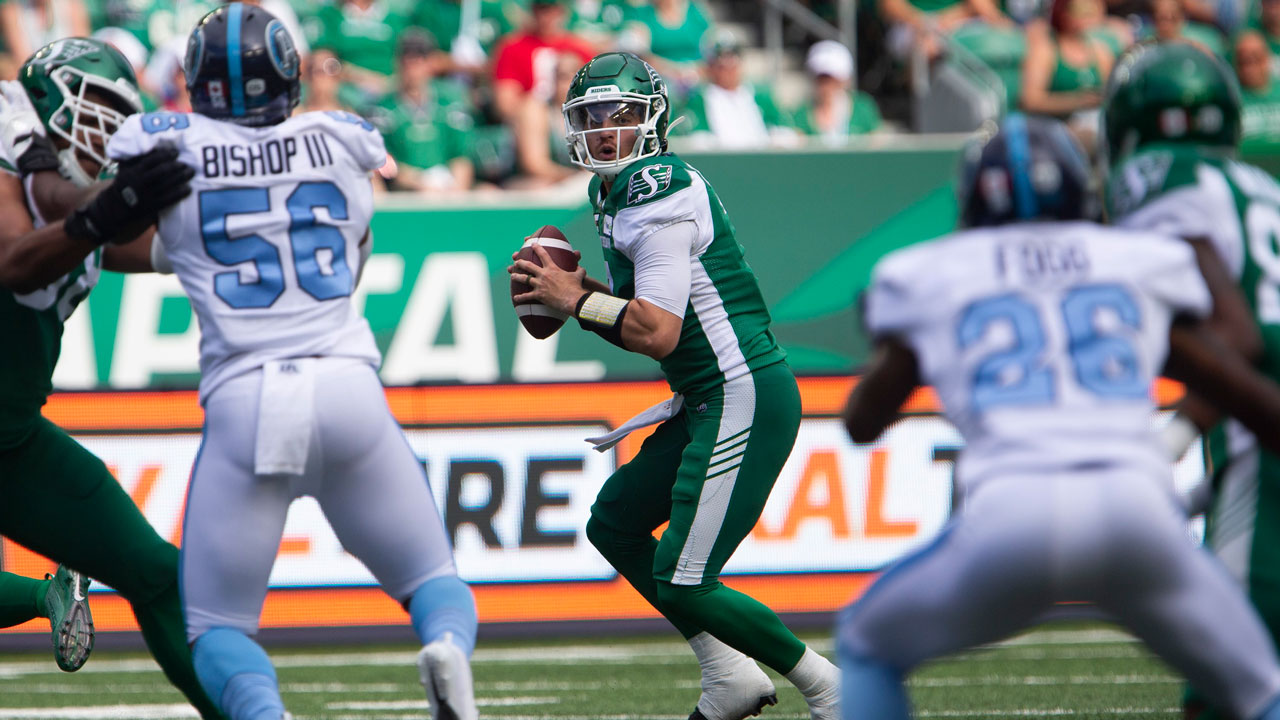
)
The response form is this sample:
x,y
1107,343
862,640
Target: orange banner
x,y
833,499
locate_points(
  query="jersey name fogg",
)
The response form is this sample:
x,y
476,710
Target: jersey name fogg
x,y
273,157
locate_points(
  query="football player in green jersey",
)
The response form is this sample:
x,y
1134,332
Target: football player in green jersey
x,y
1171,121
56,498
680,292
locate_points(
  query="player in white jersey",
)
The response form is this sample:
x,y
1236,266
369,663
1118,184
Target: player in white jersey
x,y
269,247
1042,334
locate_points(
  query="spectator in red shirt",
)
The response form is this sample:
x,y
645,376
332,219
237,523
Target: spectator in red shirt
x,y
526,60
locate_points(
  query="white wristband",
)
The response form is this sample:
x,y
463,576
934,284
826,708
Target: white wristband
x,y
1178,435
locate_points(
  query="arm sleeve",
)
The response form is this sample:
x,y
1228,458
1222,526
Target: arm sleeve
x,y
662,263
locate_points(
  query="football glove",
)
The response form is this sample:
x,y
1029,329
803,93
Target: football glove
x,y
143,187
22,138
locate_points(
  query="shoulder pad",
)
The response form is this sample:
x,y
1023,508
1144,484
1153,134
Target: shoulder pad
x,y
1146,176
649,180
358,135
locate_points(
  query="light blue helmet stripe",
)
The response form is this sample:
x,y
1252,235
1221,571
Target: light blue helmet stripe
x,y
234,12
1019,148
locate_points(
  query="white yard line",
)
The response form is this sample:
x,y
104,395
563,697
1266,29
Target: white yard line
x,y
1016,681
422,704
1047,712
102,712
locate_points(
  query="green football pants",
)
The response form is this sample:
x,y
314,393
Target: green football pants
x,y
1243,531
60,501
708,472
21,599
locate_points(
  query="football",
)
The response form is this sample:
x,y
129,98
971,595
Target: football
x,y
540,320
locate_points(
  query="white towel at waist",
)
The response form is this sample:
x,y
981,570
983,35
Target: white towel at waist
x,y
285,416
664,410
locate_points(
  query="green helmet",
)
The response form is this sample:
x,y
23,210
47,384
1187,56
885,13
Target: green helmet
x,y
624,89
1169,92
57,79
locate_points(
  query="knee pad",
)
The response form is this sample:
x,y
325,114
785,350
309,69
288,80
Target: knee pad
x,y
601,536
611,541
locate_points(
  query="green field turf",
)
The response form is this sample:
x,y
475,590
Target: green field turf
x,y
1082,671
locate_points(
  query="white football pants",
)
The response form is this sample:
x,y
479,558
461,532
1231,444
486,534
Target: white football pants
x,y
1020,544
358,467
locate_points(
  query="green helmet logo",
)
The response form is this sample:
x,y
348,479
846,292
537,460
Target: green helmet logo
x,y
59,79
1169,92
615,97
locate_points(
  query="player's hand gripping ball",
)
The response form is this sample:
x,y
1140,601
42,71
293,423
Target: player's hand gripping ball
x,y
542,321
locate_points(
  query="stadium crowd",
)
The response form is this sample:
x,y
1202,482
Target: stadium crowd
x,y
470,98
469,101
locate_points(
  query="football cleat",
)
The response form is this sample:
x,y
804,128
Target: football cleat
x,y
825,705
446,675
67,601
733,692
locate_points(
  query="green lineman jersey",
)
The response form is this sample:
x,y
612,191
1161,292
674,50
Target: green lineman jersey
x,y
726,324
1191,192
32,325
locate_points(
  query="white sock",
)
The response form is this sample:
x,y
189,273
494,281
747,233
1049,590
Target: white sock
x,y
711,653
814,675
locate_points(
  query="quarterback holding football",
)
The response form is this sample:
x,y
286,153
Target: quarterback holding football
x,y
679,291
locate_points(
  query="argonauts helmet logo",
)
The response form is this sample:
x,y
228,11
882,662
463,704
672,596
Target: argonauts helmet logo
x,y
284,54
195,53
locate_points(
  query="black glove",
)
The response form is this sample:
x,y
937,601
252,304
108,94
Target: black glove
x,y
144,186
39,156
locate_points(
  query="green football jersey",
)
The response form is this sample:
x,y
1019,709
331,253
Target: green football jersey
x,y
1194,193
32,324
726,323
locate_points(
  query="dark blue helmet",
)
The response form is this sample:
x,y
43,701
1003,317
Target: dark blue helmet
x,y
1030,169
242,66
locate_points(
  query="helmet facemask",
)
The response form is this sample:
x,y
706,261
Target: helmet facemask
x,y
592,118
87,124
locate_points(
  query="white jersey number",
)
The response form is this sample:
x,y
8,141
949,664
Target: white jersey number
x,y
1262,226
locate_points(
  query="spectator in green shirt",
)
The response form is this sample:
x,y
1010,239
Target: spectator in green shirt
x,y
919,25
429,140
1066,66
1267,22
670,34
362,34
837,110
728,112
468,41
1259,91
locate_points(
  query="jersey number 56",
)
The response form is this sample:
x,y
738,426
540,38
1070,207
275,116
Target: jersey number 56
x,y
312,243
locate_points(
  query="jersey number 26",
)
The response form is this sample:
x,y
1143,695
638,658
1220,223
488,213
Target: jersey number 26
x,y
1105,363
